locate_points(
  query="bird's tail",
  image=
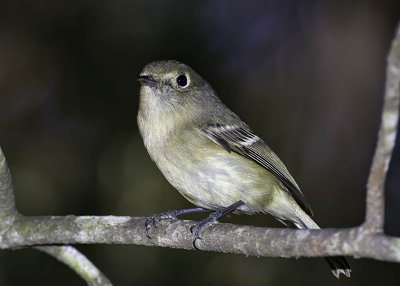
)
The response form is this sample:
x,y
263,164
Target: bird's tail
x,y
338,264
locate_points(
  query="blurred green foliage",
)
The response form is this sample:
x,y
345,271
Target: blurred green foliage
x,y
307,76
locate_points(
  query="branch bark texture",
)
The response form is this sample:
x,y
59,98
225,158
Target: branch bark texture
x,y
78,262
10,221
386,140
247,240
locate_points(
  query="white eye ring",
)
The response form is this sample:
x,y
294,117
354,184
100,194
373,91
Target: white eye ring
x,y
183,81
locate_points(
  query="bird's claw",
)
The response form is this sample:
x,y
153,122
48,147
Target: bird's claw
x,y
152,220
198,226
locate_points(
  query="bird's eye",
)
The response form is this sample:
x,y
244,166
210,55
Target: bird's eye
x,y
182,80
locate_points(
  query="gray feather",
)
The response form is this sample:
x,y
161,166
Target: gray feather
x,y
246,143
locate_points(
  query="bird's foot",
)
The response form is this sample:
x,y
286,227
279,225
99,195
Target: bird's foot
x,y
171,214
198,226
212,218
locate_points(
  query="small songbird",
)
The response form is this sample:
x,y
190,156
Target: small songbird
x,y
211,156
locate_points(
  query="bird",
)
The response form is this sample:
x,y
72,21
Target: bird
x,y
212,157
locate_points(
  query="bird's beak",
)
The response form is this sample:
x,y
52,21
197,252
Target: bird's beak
x,y
147,80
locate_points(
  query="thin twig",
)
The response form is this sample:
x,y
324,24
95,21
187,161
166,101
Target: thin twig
x,y
77,262
9,218
7,201
374,219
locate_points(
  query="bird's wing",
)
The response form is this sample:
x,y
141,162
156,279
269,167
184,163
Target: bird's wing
x,y
242,141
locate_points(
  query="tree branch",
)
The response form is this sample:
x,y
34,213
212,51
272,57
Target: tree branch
x,y
8,212
248,240
386,140
367,240
77,262
9,218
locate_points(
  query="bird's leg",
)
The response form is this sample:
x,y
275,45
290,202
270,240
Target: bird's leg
x,y
198,226
153,219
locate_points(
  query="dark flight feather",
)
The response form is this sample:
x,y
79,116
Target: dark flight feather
x,y
250,146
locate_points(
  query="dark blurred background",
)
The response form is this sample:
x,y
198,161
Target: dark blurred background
x,y
307,76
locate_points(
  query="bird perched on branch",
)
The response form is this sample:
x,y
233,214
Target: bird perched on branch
x,y
212,157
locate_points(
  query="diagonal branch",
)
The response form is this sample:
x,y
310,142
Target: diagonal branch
x,y
386,140
77,262
9,218
8,212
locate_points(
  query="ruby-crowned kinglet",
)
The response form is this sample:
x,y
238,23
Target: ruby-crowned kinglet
x,y
211,156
